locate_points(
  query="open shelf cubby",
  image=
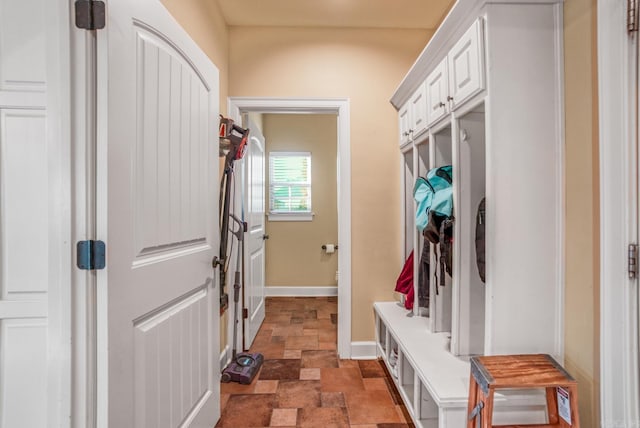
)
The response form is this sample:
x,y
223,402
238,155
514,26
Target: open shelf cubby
x,y
432,382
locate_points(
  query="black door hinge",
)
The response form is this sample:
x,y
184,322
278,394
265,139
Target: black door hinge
x,y
632,16
90,255
90,14
632,266
245,313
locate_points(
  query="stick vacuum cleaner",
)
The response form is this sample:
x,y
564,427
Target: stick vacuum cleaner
x,y
243,366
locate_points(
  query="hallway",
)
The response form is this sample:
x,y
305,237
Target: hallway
x,y
302,382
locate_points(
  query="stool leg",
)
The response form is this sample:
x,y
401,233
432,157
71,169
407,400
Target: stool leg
x,y
573,399
487,412
573,403
473,400
552,405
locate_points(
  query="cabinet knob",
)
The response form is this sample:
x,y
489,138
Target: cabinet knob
x,y
441,104
449,98
405,134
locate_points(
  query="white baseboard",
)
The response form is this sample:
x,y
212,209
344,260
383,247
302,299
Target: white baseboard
x,y
225,357
363,350
270,291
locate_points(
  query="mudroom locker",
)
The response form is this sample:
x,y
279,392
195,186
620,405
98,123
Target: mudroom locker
x,y
485,96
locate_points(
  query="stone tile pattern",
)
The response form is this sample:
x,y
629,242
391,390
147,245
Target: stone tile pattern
x,y
303,383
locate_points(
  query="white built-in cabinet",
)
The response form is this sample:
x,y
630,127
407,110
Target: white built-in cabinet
x,y
486,97
458,76
413,116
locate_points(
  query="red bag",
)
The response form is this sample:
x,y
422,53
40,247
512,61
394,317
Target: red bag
x,y
404,284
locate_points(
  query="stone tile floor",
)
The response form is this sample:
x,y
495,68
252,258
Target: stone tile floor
x,y
302,382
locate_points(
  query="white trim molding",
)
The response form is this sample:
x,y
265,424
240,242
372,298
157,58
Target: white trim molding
x,y
225,357
300,291
340,107
290,216
617,85
364,350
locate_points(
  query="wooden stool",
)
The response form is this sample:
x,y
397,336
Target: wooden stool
x,y
522,371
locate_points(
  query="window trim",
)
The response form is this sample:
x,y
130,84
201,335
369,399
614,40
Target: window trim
x,y
290,216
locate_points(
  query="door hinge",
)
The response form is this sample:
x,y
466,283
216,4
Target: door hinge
x,y
90,14
90,255
633,261
632,16
245,313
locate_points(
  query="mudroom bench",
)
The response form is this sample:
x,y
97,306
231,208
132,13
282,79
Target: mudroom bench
x,y
432,381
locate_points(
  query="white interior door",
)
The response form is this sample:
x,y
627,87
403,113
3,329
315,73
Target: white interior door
x,y
158,322
35,252
255,238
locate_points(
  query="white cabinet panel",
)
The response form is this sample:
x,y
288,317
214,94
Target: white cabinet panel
x,y
466,76
404,116
418,109
413,116
437,88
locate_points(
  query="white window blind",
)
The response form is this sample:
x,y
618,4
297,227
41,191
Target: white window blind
x,y
289,182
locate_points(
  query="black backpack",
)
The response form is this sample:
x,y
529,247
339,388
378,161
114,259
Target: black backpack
x,y
446,247
480,244
439,231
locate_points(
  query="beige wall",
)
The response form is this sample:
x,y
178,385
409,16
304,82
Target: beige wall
x,y
364,65
582,301
204,22
294,256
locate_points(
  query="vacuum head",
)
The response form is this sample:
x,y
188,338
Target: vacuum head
x,y
243,368
233,139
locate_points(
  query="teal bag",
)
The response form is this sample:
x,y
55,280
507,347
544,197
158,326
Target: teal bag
x,y
433,194
423,194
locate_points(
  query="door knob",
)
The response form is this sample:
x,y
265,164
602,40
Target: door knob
x,y
265,237
216,262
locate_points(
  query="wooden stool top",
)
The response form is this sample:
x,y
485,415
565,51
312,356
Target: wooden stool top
x,y
519,371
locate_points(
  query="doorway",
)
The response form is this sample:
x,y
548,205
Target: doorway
x,y
340,108
301,189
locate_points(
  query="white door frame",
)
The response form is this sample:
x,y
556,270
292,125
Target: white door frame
x,y
58,102
340,107
619,383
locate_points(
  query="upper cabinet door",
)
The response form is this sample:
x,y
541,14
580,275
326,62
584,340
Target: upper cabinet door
x,y
404,116
466,65
418,112
437,93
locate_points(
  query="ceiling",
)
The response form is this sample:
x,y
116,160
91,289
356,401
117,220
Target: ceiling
x,y
420,14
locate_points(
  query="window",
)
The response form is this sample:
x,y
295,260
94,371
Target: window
x,y
290,186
